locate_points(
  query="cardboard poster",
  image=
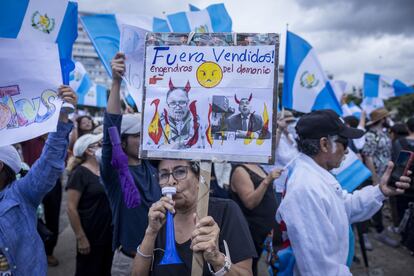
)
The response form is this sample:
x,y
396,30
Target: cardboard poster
x,y
29,77
210,96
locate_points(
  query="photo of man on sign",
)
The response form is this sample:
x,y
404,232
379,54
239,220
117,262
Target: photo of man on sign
x,y
179,123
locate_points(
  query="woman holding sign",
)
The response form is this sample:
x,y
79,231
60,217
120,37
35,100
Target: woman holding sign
x,y
21,249
223,226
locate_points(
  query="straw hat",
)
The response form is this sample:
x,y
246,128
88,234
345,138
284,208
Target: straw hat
x,y
377,115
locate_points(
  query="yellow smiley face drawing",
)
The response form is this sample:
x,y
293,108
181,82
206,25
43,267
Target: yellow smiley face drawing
x,y
209,74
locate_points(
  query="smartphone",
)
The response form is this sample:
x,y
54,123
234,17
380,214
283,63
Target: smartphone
x,y
402,165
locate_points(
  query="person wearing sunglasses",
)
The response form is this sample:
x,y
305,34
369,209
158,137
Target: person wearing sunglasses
x,y
315,210
88,209
222,237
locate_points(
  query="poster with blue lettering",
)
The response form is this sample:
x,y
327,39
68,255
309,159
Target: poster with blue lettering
x,y
210,96
29,77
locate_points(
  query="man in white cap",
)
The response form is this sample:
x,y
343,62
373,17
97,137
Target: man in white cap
x,y
129,224
21,249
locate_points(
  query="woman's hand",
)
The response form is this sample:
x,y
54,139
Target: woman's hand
x,y
204,239
66,93
83,245
118,66
274,175
157,214
401,185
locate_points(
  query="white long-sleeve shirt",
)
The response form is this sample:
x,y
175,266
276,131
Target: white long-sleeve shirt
x,y
317,214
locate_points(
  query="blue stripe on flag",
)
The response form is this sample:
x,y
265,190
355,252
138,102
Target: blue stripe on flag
x,y
353,176
11,17
179,22
326,99
401,88
85,85
68,31
104,34
101,96
220,19
296,51
160,25
371,83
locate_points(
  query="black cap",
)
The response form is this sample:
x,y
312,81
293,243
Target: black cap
x,y
323,123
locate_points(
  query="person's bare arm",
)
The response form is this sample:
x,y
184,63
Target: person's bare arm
x,y
118,70
74,219
242,185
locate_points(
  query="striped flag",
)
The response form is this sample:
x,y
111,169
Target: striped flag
x,y
306,86
380,86
51,21
88,92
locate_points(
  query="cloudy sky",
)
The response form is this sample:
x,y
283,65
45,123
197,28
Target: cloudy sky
x,y
350,36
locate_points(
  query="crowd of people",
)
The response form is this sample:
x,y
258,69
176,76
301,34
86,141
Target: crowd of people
x,y
296,200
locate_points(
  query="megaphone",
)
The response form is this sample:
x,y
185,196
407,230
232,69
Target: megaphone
x,y
170,254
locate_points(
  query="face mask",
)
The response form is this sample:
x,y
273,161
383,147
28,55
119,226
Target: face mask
x,y
98,155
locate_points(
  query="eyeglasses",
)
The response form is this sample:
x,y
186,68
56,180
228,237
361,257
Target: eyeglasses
x,y
178,173
174,104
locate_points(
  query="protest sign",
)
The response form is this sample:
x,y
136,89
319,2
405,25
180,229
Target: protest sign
x,y
210,96
29,78
132,44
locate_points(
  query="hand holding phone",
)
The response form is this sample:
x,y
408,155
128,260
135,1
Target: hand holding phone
x,y
403,163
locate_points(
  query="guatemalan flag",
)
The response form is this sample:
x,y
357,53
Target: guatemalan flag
x,y
105,32
351,109
52,21
352,172
104,29
89,93
305,86
380,86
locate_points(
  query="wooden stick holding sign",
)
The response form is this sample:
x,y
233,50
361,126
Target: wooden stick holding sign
x,y
202,210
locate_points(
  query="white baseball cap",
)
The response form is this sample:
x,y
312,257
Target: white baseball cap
x,y
84,142
10,157
131,123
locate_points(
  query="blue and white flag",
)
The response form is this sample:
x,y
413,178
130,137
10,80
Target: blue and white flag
x,y
305,86
89,93
369,104
339,88
380,86
213,19
51,21
351,109
352,172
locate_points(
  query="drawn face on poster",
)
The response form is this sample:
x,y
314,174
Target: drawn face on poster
x,y
209,102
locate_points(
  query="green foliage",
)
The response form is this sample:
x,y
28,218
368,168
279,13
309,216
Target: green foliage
x,y
403,106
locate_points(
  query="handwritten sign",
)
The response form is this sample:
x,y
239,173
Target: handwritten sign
x,y
209,102
29,77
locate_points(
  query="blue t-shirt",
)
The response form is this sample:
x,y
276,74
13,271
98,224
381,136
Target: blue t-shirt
x,y
128,224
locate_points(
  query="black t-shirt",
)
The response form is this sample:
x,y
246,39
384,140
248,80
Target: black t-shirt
x,y
93,208
261,219
233,229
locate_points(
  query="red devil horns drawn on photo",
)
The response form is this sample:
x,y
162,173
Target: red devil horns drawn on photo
x,y
238,101
186,88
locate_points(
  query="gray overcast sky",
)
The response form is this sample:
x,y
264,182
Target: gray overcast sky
x,y
350,36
